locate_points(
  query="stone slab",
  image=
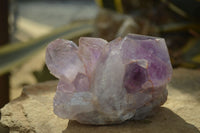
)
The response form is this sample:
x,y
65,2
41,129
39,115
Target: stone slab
x,y
32,112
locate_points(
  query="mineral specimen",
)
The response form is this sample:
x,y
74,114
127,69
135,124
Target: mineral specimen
x,y
104,82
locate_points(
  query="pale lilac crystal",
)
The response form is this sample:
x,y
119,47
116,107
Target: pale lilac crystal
x,y
109,82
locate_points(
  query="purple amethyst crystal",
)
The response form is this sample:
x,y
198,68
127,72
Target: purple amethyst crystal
x,y
104,82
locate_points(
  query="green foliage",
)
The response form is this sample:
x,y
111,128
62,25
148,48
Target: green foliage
x,y
13,55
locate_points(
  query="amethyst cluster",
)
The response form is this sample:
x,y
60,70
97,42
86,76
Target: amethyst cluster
x,y
104,82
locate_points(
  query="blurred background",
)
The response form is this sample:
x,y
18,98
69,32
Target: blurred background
x,y
31,22
27,26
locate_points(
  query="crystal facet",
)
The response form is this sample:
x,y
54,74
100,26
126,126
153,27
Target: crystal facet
x,y
109,82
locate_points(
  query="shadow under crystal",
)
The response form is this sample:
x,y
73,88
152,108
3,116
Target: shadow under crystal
x,y
164,121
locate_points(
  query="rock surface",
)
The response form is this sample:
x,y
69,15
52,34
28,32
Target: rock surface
x,y
184,95
32,112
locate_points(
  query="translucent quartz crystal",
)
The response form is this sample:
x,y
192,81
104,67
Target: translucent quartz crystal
x,y
104,82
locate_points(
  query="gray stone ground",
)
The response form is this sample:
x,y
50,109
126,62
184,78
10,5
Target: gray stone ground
x,y
50,14
56,14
